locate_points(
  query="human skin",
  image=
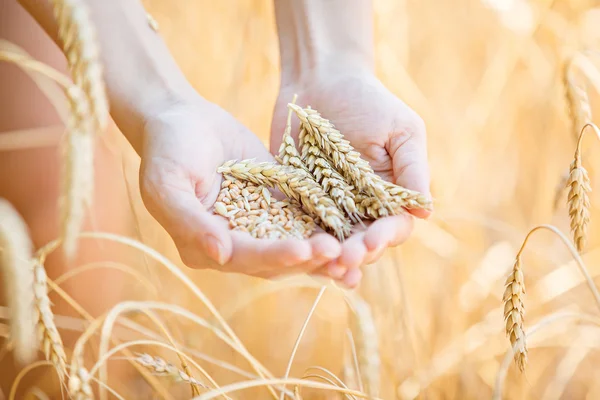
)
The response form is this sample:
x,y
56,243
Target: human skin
x,y
326,49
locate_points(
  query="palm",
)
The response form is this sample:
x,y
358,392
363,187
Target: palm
x,y
184,146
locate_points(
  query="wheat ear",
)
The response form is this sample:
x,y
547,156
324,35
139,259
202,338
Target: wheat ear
x,y
16,252
330,179
288,153
79,384
366,340
578,101
295,183
400,199
514,310
357,171
48,335
89,114
162,368
578,199
80,45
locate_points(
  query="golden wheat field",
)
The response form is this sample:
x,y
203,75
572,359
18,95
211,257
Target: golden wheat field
x,y
505,88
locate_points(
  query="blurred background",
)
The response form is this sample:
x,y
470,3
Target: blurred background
x,y
486,76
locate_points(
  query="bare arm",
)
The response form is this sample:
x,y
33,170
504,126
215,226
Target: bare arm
x,y
140,73
317,35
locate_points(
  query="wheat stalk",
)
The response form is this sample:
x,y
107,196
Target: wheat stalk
x,y
514,310
48,335
162,368
16,252
366,340
296,184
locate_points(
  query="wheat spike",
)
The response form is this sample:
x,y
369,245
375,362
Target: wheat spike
x,y
162,368
579,202
514,310
578,101
78,170
89,114
295,183
79,384
16,252
79,43
288,153
48,335
340,152
329,178
367,344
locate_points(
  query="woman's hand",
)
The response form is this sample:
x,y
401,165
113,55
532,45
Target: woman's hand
x,y
387,133
183,146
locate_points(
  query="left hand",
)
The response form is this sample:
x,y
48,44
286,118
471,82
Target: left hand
x,y
387,133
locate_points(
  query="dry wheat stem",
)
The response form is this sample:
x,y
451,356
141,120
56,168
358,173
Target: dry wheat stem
x,y
296,184
22,373
514,310
48,335
162,368
16,251
299,338
367,344
357,171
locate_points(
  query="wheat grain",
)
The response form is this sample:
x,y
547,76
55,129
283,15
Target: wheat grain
x,y
340,152
514,310
296,184
578,202
366,340
48,335
252,210
162,368
15,261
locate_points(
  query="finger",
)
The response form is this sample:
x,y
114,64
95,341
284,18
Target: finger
x,y
408,150
353,254
181,213
352,278
388,231
254,256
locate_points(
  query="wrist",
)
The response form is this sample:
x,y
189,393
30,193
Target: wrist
x,y
318,38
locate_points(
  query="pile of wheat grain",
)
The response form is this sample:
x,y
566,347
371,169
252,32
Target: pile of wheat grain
x,y
325,180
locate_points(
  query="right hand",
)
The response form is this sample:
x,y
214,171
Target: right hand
x,y
184,145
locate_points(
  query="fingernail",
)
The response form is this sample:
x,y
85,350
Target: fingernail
x,y
336,271
214,249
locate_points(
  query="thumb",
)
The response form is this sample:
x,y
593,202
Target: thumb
x,y
176,207
408,151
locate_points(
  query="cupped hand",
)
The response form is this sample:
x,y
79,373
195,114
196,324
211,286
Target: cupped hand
x,y
387,133
183,146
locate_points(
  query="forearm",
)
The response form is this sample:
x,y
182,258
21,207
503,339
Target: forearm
x,y
316,35
140,74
